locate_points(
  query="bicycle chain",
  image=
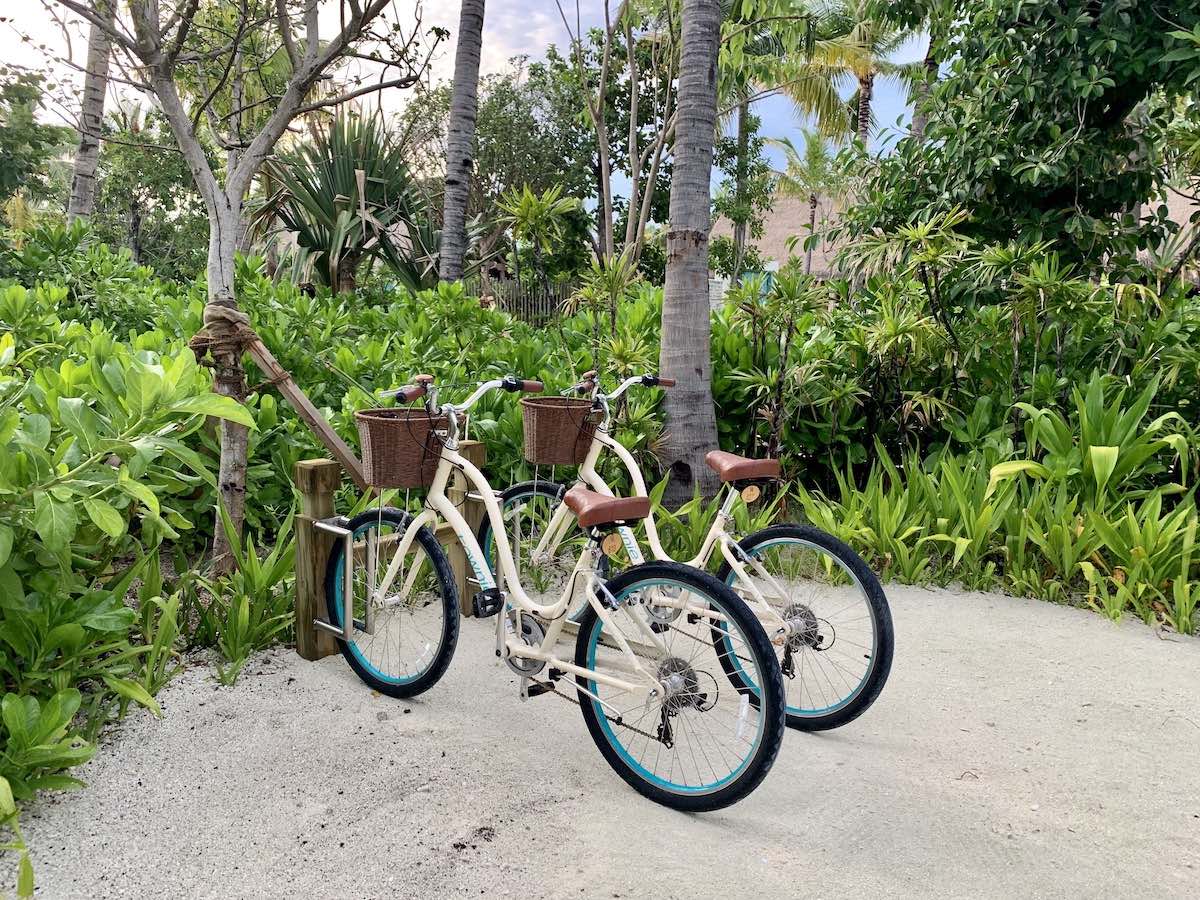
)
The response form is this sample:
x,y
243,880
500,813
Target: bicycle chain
x,y
634,729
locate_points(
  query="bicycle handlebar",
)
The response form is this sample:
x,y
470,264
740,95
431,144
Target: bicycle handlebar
x,y
590,384
406,394
644,380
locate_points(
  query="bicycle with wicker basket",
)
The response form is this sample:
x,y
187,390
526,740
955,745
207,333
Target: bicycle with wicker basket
x,y
655,700
818,600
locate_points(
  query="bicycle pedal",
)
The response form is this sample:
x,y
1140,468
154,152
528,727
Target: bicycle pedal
x,y
487,603
537,688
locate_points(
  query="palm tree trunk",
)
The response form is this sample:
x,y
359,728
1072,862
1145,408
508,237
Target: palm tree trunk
x,y
460,141
741,186
95,86
347,274
812,230
920,120
691,426
866,87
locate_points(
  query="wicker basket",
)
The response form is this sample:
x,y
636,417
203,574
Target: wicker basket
x,y
558,430
399,446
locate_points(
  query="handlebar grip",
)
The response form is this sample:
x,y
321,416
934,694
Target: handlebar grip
x,y
411,393
530,386
666,382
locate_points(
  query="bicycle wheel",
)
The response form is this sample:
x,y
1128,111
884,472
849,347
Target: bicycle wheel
x,y
527,508
839,655
404,639
700,746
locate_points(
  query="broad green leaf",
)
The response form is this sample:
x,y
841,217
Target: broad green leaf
x,y
79,420
54,520
12,710
35,430
6,542
25,876
1013,467
68,636
12,592
10,420
215,405
7,805
131,690
107,519
139,492
1104,460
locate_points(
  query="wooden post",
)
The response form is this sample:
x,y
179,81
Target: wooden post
x,y
472,510
316,479
308,412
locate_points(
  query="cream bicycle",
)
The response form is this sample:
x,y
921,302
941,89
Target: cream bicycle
x,y
655,700
816,598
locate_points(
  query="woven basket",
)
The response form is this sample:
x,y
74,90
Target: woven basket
x,y
558,430
399,446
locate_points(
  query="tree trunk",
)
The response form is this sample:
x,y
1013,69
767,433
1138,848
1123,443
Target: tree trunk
x,y
460,141
741,179
866,87
95,87
135,230
224,321
347,274
691,426
920,120
812,231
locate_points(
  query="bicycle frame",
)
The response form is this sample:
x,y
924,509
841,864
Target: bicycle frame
x,y
439,507
718,536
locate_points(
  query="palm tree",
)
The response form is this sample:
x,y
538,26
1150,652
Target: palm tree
x,y
867,26
536,219
765,66
95,87
684,354
349,197
812,174
460,140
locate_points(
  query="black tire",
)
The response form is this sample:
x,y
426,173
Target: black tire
x,y
447,589
770,695
522,490
519,493
880,664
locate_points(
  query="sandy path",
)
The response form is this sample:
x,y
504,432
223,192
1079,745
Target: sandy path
x,y
1020,749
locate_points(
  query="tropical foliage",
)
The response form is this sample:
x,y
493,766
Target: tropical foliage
x,y
348,197
1045,126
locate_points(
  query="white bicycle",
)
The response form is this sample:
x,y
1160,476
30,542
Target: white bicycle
x,y
656,699
820,603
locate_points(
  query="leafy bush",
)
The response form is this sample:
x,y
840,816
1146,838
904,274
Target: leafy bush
x,y
1088,514
100,462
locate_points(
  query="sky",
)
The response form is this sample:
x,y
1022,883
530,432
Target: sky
x,y
512,28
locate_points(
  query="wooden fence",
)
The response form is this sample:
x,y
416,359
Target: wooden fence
x,y
530,303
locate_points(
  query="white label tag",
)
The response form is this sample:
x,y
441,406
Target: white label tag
x,y
743,711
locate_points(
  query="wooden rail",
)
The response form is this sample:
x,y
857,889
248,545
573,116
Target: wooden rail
x,y
318,480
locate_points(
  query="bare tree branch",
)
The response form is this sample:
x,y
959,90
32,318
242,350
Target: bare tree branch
x,y
114,32
285,33
185,20
406,81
